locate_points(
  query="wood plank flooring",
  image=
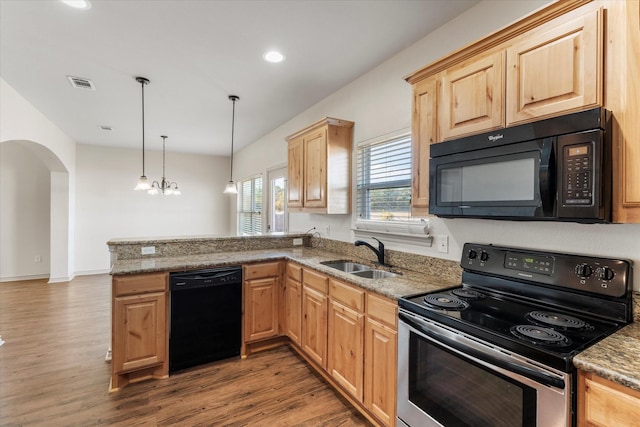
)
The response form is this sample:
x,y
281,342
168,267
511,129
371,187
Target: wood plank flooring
x,y
52,373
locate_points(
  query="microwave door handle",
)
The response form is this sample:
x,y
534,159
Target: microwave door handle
x,y
547,175
525,371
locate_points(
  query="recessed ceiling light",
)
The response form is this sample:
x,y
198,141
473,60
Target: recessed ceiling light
x,y
78,4
273,56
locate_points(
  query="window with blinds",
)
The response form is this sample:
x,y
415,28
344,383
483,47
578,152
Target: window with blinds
x,y
250,206
384,180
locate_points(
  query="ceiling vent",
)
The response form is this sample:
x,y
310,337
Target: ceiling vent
x,y
81,83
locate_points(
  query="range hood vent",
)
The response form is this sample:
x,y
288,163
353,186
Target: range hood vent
x,y
81,83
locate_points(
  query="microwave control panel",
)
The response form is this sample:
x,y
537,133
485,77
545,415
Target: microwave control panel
x,y
577,169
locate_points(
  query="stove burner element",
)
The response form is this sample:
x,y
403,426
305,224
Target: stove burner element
x,y
467,294
445,301
557,320
539,335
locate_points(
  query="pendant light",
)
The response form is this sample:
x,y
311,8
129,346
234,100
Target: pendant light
x,y
164,186
231,186
143,183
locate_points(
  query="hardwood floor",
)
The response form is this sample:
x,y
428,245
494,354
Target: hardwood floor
x,y
52,372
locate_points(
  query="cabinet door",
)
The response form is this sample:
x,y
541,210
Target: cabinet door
x,y
314,325
295,183
261,309
315,169
555,69
346,348
423,135
139,331
604,403
293,307
472,97
380,367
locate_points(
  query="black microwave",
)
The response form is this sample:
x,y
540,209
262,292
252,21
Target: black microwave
x,y
558,169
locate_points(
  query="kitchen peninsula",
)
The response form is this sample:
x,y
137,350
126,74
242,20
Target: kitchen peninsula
x,y
331,318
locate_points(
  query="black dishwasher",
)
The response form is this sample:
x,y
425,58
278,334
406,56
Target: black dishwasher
x,y
206,313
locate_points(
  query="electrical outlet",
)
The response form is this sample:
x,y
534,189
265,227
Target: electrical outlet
x,y
327,230
37,258
443,244
148,250
297,242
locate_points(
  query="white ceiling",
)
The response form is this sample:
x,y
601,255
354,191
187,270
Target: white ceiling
x,y
196,53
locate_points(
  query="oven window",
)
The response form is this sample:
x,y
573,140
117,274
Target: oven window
x,y
511,179
457,392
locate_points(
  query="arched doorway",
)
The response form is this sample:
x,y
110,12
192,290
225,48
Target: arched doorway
x,y
35,220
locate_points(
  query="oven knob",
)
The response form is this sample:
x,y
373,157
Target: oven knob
x,y
583,270
484,256
472,254
605,273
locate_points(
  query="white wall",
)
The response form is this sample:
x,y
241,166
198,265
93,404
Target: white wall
x,y
24,217
107,206
20,122
380,102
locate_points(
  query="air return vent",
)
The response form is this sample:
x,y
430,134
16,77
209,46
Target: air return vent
x,y
81,83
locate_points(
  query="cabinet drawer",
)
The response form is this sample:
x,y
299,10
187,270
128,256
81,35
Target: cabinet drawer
x,y
315,280
347,295
139,284
256,271
294,271
382,309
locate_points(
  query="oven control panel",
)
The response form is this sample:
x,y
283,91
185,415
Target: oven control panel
x,y
603,276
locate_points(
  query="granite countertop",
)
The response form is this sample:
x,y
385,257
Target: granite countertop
x,y
615,358
407,282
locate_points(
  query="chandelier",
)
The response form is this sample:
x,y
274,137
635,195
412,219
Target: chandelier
x,y
165,186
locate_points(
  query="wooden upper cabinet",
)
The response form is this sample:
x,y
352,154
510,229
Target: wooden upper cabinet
x,y
295,184
423,134
319,168
472,97
315,168
556,68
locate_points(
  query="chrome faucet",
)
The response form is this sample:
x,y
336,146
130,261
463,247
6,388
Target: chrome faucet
x,y
379,252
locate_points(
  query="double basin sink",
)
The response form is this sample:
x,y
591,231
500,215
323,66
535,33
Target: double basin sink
x,y
360,270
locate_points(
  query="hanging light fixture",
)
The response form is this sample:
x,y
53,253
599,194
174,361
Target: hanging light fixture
x,y
143,183
231,186
164,186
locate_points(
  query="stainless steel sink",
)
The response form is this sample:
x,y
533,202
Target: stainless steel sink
x,y
357,269
374,274
347,266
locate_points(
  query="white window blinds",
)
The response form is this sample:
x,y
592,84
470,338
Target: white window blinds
x,y
250,206
384,180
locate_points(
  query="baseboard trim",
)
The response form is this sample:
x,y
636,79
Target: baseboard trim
x,y
27,277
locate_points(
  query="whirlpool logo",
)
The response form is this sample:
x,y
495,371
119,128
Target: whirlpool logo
x,y
494,138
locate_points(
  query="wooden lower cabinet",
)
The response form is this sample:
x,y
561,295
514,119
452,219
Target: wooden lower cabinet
x,y
381,358
314,325
293,303
603,403
261,288
139,342
346,347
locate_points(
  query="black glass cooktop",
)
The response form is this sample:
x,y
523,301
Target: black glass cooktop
x,y
540,332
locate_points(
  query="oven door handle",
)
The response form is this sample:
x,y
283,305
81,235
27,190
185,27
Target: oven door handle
x,y
481,355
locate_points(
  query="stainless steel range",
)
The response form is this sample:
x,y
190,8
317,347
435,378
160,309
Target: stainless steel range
x,y
498,349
